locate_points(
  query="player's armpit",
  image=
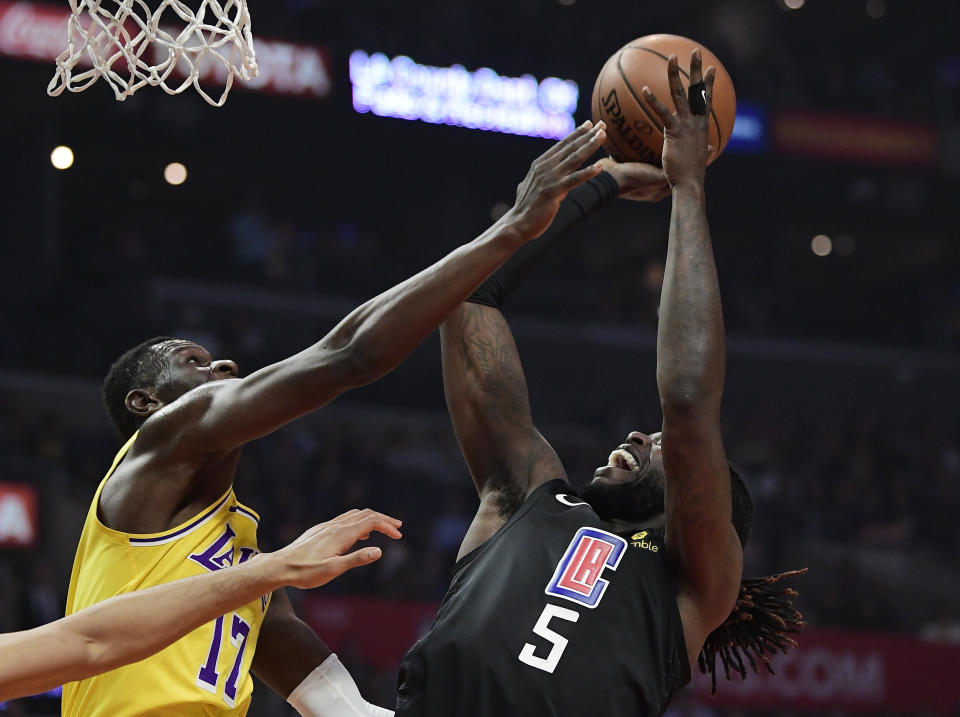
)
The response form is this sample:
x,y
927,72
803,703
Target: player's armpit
x,y
488,401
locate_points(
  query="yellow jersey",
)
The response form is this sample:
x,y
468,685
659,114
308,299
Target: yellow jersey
x,y
206,672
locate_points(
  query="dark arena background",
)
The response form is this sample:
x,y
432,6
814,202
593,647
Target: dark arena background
x,y
834,215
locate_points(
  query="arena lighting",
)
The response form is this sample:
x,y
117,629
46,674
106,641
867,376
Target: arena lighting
x,y
749,134
821,245
175,173
61,157
481,99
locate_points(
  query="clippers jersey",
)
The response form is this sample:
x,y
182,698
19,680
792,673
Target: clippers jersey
x,y
206,672
554,616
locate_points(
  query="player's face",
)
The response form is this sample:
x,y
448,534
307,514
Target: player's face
x,y
188,366
631,485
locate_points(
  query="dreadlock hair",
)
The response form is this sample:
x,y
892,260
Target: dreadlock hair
x,y
742,506
763,619
140,366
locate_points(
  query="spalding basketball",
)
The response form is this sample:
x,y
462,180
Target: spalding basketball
x,y
633,132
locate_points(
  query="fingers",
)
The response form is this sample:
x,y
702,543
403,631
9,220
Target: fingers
x,y
361,529
708,89
334,567
577,152
345,516
354,525
677,93
696,65
578,133
355,515
667,119
577,178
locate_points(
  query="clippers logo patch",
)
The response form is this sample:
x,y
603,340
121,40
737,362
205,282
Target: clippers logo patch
x,y
578,575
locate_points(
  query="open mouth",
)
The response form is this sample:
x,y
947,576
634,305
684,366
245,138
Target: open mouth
x,y
622,457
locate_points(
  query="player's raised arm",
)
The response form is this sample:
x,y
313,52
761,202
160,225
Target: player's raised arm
x,y
375,337
690,374
483,378
130,627
489,404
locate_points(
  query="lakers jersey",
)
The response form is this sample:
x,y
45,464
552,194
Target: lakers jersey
x,y
205,672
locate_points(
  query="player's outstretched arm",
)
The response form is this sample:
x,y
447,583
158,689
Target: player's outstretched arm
x,y
130,627
691,366
374,338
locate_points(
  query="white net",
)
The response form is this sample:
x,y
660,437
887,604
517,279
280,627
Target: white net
x,y
131,45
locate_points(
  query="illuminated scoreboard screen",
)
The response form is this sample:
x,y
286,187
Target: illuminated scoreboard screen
x,y
481,99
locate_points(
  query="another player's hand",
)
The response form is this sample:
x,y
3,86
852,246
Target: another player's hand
x,y
638,181
685,134
551,176
319,555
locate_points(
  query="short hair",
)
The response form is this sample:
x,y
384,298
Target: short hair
x,y
138,367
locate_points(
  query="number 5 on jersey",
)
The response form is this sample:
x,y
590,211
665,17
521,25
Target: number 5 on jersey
x,y
558,643
577,578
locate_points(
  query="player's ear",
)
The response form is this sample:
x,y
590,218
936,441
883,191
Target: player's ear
x,y
143,401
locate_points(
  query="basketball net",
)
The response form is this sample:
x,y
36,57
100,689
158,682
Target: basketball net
x,y
129,48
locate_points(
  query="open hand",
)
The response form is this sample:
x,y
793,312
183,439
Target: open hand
x,y
685,134
638,181
551,176
317,556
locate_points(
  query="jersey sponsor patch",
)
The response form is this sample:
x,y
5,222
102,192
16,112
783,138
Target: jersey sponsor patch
x,y
578,574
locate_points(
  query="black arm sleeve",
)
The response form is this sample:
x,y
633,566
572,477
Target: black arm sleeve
x,y
587,199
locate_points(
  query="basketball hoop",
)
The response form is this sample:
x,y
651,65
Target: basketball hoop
x,y
129,47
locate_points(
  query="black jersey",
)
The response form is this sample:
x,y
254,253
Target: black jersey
x,y
554,616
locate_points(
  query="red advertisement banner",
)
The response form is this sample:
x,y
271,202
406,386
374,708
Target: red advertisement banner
x,y
858,672
855,139
19,521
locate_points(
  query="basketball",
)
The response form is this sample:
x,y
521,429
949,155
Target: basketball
x,y
633,132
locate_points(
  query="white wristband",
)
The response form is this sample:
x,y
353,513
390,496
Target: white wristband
x,y
329,691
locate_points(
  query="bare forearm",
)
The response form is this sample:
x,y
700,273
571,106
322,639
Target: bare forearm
x,y
690,340
126,628
288,649
384,330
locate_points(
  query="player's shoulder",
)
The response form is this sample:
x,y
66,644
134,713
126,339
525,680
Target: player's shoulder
x,y
183,415
558,503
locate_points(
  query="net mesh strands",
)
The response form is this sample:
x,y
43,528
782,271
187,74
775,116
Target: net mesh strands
x,y
129,44
759,627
